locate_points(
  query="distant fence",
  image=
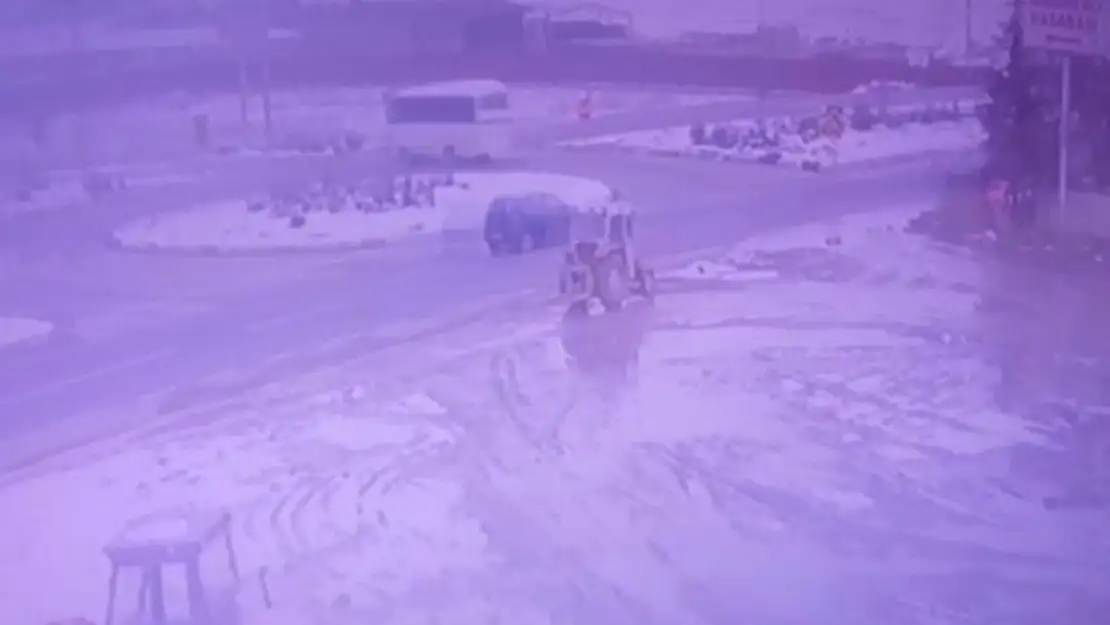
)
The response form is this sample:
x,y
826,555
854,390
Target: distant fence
x,y
24,91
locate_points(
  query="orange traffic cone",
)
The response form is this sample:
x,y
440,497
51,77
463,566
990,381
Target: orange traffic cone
x,y
585,106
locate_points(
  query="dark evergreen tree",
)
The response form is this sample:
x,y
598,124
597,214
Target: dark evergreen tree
x,y
1091,103
1018,116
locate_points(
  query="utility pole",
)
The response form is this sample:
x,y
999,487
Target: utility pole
x,y
264,69
77,90
244,88
760,37
246,25
256,53
968,37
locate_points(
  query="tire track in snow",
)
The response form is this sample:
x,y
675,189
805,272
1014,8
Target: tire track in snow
x,y
327,513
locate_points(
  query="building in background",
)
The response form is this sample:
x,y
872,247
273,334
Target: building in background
x,y
939,24
410,27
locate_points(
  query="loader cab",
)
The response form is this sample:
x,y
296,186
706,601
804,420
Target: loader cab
x,y
597,231
601,261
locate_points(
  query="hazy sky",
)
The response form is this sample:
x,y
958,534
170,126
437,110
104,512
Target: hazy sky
x,y
915,22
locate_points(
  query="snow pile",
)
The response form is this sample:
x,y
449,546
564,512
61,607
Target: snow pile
x,y
883,86
906,131
21,330
883,142
227,226
52,197
356,216
723,271
859,266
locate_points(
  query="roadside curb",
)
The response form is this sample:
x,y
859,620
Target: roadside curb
x,y
705,154
215,251
66,445
210,400
813,157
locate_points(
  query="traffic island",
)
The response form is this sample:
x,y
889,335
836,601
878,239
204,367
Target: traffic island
x,y
337,218
811,143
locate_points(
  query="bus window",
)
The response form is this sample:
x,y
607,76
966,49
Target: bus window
x,y
617,225
431,110
494,102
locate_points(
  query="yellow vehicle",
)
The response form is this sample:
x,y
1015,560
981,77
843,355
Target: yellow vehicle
x,y
601,263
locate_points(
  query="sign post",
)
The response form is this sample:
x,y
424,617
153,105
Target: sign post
x,y
245,30
1070,27
1065,126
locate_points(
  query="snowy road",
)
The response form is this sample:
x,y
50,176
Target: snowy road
x,y
134,326
328,309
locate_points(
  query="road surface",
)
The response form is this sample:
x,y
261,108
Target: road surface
x,y
134,325
344,300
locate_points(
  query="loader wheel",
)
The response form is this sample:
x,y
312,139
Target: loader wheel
x,y
523,243
577,310
645,284
612,283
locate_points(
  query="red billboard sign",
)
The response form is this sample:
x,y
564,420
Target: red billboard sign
x,y
1076,26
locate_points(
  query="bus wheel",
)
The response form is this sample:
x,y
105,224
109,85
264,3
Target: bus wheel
x,y
612,284
577,310
524,243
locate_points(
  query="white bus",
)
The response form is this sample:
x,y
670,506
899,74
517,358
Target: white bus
x,y
466,119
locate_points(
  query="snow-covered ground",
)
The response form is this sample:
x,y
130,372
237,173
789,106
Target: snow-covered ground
x,y
67,191
349,218
804,430
855,267
60,196
853,146
882,87
915,138
16,330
